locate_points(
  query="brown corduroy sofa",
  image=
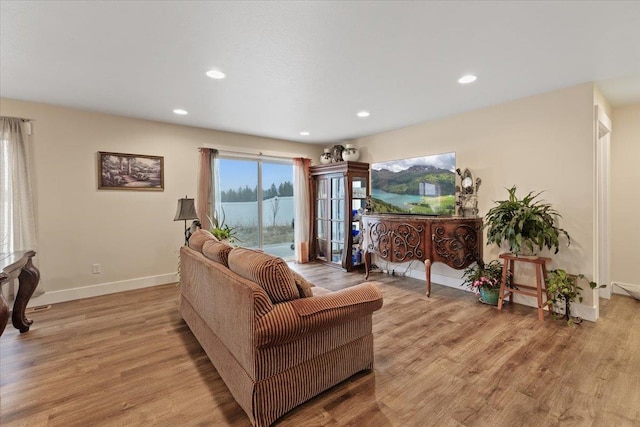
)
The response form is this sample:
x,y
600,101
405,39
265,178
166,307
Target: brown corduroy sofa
x,y
275,339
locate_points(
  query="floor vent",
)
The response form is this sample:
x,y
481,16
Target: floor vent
x,y
38,308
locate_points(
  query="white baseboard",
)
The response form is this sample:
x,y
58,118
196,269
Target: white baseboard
x,y
585,312
451,282
54,297
630,286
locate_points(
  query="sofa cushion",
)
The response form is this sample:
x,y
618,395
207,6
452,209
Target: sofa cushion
x,y
217,251
198,238
271,273
303,285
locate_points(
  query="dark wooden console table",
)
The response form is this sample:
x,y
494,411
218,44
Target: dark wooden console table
x,y
17,265
455,241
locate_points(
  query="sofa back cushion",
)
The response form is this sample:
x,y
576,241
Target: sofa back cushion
x,y
217,251
198,238
271,273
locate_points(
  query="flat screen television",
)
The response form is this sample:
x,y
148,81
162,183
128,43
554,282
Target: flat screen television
x,y
419,185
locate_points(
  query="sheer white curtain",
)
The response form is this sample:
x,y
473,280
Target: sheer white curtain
x,y
302,200
206,184
17,222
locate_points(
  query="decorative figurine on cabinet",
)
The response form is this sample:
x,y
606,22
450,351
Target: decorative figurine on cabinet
x,y
336,153
467,194
368,207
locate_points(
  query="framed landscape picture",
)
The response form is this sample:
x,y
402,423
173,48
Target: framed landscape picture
x,y
118,171
420,185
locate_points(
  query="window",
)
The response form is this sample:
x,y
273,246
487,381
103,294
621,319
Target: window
x,y
255,197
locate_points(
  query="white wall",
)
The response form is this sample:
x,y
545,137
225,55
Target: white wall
x,y
130,233
544,142
625,195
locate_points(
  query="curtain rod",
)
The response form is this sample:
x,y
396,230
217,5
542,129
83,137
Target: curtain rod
x,y
255,154
19,118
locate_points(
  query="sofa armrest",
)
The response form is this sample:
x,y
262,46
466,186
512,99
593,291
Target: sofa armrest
x,y
291,320
352,297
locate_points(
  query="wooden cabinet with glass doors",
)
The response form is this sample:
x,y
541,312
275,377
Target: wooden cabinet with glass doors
x,y
340,192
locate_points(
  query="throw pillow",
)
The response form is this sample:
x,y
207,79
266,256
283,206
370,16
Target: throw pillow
x,y
198,238
304,286
271,273
217,251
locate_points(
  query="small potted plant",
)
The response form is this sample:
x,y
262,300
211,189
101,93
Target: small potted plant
x,y
563,289
221,230
526,224
484,280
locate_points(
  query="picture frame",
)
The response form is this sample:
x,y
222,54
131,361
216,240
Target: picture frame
x,y
138,172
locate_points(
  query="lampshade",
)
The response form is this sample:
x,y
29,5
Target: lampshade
x,y
186,210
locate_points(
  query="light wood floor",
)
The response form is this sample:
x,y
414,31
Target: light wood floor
x,y
129,360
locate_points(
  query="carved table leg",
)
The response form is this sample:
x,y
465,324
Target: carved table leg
x,y
28,281
4,312
427,269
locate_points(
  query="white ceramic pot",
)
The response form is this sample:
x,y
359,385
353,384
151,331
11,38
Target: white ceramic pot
x,y
326,157
350,153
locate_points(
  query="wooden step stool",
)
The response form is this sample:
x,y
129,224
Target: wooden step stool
x,y
516,288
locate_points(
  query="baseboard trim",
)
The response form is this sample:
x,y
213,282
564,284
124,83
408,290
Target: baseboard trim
x,y
585,312
631,286
63,295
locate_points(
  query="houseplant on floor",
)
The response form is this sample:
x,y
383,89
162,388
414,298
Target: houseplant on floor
x,y
484,280
527,224
563,289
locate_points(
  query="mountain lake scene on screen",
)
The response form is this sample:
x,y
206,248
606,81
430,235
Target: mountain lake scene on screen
x,y
419,185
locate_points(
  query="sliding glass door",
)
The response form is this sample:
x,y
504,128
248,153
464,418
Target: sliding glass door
x,y
255,198
237,199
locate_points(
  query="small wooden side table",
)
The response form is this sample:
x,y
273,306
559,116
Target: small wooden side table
x,y
516,288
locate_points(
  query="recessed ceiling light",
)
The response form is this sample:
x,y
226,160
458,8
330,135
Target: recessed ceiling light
x,y
363,114
216,74
180,111
469,78
304,133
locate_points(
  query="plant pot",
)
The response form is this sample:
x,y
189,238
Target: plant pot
x,y
326,157
527,253
350,153
489,296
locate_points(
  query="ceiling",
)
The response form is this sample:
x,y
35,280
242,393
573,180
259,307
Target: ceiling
x,y
296,66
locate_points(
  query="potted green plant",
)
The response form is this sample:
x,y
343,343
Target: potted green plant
x,y
484,280
221,230
525,224
563,289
